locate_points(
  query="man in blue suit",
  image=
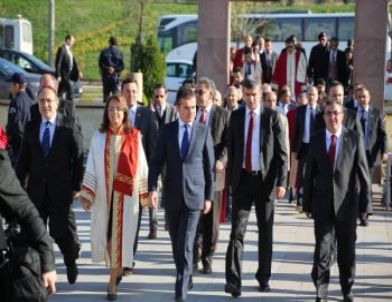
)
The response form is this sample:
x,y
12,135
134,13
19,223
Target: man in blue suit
x,y
187,149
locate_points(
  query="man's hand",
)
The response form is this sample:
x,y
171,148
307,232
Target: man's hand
x,y
364,215
85,204
308,214
280,192
110,70
219,167
49,280
153,196
207,206
384,157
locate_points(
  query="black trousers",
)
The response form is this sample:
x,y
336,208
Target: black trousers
x,y
62,228
302,158
65,89
153,223
208,232
182,225
251,191
327,229
109,85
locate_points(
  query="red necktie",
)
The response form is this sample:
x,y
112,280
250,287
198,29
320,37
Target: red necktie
x,y
332,150
248,150
203,116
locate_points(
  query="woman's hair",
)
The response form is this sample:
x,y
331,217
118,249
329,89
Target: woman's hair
x,y
124,108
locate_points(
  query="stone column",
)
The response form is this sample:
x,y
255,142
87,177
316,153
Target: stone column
x,y
371,18
213,41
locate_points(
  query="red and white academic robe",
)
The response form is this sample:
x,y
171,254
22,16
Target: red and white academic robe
x,y
290,70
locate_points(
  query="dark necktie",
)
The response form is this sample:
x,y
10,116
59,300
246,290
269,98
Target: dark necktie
x,y
332,151
248,150
185,143
363,122
45,144
203,116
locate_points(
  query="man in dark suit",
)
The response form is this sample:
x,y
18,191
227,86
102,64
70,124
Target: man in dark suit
x,y
186,148
257,165
373,130
307,122
162,113
318,60
268,60
66,68
217,119
51,160
336,160
337,62
141,118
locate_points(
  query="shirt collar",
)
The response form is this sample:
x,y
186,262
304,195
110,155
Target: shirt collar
x,y
337,134
52,120
133,107
181,123
162,108
208,108
256,111
366,108
312,106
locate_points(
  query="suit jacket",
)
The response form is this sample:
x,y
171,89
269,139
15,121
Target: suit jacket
x,y
273,150
299,127
350,120
168,116
219,125
63,65
340,65
61,173
190,179
377,137
268,67
333,192
144,122
318,63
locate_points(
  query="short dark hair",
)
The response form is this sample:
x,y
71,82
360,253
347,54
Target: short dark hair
x,y
334,39
321,81
335,83
290,39
267,40
68,37
129,81
112,41
333,102
160,86
237,69
249,84
184,93
321,35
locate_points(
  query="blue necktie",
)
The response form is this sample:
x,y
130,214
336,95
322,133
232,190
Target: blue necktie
x,y
185,143
45,144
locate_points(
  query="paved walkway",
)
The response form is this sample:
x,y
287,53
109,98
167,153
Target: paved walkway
x,y
293,248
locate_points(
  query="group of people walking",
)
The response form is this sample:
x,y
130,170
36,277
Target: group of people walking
x,y
192,154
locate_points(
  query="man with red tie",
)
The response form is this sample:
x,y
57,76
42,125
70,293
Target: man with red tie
x,y
257,171
336,159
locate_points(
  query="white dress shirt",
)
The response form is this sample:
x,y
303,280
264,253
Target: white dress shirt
x,y
256,164
181,131
70,54
161,110
51,126
208,111
328,135
306,136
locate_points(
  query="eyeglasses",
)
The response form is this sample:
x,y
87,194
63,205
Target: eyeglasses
x,y
333,113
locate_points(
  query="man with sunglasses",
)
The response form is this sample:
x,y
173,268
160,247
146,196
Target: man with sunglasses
x,y
336,159
290,68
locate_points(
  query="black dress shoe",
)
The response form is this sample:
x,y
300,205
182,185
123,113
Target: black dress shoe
x,y
179,300
207,269
152,234
72,272
364,222
264,287
233,290
348,298
318,299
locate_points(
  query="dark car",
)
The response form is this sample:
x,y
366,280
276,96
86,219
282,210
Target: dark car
x,y
32,64
7,69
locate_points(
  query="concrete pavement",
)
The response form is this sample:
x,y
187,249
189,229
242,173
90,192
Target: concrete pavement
x,y
153,280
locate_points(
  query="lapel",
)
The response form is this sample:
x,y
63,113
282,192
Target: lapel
x,y
211,120
370,122
36,125
342,149
241,129
263,127
57,132
175,137
138,116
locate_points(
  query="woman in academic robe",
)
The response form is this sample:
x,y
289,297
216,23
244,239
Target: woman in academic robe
x,y
114,183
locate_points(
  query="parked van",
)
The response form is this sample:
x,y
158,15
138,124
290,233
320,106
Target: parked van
x,y
16,34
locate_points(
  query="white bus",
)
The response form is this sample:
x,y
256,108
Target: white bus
x,y
16,34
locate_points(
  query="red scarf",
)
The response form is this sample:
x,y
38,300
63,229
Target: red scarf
x,y
3,139
127,161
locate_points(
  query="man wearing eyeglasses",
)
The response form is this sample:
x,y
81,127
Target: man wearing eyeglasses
x,y
51,168
336,159
290,68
